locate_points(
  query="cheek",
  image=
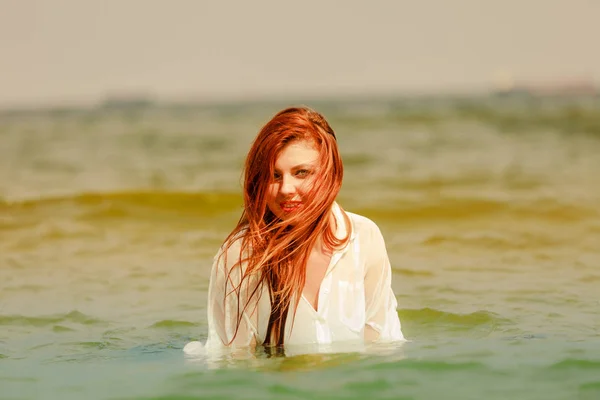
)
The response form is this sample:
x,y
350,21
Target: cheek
x,y
272,192
306,185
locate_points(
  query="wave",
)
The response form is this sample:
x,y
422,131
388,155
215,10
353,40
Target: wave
x,y
146,198
493,240
576,363
171,324
119,205
429,365
43,321
506,114
591,386
176,206
468,208
423,322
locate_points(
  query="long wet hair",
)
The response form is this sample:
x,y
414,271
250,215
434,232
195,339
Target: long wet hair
x,y
275,251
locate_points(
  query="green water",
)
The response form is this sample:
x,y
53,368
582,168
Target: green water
x,y
109,220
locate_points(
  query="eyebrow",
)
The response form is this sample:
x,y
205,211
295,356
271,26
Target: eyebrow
x,y
299,166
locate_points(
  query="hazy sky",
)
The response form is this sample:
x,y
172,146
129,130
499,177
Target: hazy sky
x,y
81,50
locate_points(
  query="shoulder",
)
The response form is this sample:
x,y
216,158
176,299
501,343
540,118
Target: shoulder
x,y
364,228
361,223
231,250
369,238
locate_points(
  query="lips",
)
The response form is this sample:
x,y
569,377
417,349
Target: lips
x,y
290,206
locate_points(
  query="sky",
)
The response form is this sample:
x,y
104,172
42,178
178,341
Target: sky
x,y
80,51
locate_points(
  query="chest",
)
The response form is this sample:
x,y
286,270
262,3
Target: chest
x,y
332,304
316,268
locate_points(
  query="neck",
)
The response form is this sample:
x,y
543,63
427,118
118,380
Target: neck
x,y
320,245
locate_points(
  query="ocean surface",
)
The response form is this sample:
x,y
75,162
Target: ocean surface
x,y
490,207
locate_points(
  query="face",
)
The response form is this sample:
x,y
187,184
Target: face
x,y
293,177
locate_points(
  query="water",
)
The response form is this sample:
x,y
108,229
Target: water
x,y
109,219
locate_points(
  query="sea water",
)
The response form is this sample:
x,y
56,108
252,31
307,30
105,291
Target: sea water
x,y
109,219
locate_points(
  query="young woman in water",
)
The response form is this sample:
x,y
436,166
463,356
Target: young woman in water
x,y
297,268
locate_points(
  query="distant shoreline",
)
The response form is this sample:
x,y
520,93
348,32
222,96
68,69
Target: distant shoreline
x,y
150,102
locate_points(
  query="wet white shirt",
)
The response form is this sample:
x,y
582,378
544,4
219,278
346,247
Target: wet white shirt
x,y
355,297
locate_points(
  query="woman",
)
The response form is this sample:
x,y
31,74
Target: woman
x,y
297,268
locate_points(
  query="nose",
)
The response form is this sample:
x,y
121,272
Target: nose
x,y
288,185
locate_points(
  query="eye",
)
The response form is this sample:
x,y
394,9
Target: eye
x,y
302,173
276,176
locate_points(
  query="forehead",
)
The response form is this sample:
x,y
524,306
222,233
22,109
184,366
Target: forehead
x,y
297,153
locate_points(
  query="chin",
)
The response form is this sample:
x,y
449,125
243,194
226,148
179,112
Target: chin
x,y
284,215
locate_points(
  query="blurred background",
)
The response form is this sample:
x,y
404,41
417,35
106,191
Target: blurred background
x,y
470,133
82,52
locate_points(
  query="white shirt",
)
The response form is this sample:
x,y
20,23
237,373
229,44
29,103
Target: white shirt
x,y
356,292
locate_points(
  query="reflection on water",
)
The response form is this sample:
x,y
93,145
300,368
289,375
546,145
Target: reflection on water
x,y
290,358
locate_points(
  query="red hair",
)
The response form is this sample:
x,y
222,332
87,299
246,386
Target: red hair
x,y
276,251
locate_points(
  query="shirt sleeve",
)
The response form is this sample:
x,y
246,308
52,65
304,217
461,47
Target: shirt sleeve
x,y
224,307
382,321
